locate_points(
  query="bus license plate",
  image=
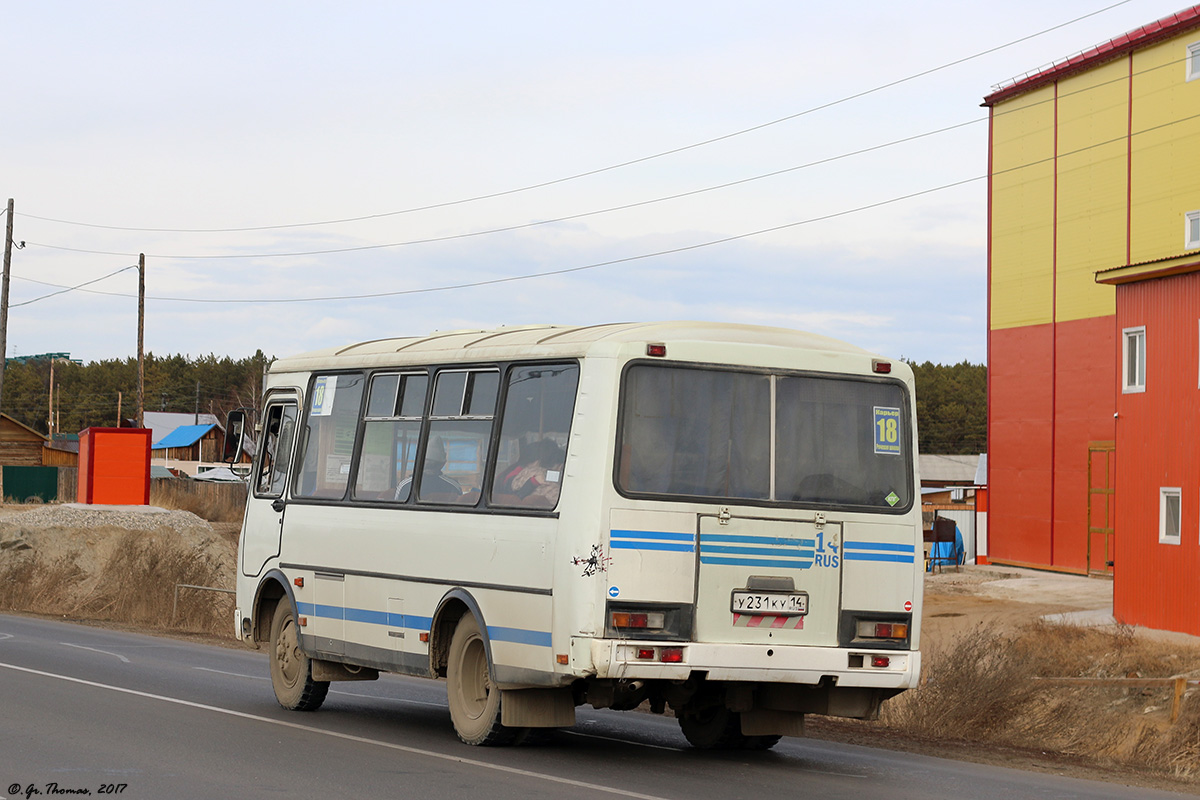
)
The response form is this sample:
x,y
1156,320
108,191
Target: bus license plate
x,y
782,604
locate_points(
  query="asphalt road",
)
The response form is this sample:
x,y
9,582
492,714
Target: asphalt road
x,y
132,716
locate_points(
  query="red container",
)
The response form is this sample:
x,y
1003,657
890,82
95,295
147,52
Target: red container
x,y
114,466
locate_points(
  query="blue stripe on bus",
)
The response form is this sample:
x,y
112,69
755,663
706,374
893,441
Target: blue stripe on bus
x,y
890,557
668,546
677,537
413,622
519,636
901,548
757,551
784,563
774,540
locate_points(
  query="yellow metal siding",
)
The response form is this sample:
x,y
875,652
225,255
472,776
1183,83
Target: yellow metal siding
x,y
1093,168
1166,149
1023,210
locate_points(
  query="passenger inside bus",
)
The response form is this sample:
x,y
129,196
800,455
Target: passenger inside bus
x,y
535,479
435,485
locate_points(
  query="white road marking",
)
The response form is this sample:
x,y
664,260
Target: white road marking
x,y
94,650
234,674
4,636
344,736
394,699
331,691
622,741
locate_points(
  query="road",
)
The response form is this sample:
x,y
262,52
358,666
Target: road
x,y
144,717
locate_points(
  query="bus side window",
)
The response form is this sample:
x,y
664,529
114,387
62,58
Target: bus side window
x,y
538,404
460,430
391,431
328,444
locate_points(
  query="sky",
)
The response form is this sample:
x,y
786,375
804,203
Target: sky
x,y
818,166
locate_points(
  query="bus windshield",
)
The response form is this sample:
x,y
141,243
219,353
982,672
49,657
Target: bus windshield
x,y
764,438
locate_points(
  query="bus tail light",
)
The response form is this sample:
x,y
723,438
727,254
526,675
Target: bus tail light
x,y
880,662
672,655
633,620
871,629
645,653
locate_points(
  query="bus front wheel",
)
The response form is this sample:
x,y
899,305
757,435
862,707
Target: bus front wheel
x,y
291,669
474,701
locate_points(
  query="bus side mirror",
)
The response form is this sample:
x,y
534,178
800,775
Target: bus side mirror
x,y
235,435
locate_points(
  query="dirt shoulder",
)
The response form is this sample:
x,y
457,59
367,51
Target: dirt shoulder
x,y
1022,604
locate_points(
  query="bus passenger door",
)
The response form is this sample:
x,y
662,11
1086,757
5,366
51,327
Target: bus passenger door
x,y
268,487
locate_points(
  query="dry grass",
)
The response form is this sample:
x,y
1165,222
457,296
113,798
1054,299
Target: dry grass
x,y
982,687
215,502
136,586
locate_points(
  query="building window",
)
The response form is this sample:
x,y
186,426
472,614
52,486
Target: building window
x,y
1169,515
1193,229
1133,360
1193,61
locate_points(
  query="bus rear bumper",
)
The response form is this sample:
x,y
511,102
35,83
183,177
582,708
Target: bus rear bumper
x,y
755,663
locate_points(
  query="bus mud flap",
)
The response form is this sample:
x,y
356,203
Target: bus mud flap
x,y
333,671
537,708
765,722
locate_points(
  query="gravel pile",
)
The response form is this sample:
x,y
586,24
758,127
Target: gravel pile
x,y
135,518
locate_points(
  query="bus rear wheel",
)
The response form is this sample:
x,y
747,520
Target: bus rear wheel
x,y
291,669
718,728
474,701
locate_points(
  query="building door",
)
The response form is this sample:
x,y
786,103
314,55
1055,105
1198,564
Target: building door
x,y
1101,500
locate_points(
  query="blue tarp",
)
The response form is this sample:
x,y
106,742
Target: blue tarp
x,y
945,554
183,436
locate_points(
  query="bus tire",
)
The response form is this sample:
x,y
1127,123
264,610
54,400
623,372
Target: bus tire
x,y
474,701
718,728
291,669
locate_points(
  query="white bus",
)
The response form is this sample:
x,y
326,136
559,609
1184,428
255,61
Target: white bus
x,y
722,519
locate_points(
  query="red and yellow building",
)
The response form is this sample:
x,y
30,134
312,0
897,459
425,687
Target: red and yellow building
x,y
1094,170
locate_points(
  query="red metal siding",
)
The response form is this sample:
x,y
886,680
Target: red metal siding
x,y
1051,394
1156,584
1019,444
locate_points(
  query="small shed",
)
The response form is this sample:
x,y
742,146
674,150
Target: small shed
x,y
190,443
20,445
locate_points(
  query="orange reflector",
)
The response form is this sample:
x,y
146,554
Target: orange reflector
x,y
562,658
880,661
304,622
657,350
645,653
424,637
672,655
299,582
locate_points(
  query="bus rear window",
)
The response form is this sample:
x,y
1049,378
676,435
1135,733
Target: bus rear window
x,y
705,433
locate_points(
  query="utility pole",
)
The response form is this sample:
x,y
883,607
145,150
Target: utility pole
x,y
141,400
196,421
8,225
119,425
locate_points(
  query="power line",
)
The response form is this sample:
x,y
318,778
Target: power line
x,y
626,206
537,223
599,170
68,288
564,271
670,251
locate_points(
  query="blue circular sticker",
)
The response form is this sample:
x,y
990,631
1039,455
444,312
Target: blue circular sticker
x,y
613,591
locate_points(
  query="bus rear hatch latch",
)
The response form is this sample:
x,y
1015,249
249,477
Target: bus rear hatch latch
x,y
819,520
723,516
